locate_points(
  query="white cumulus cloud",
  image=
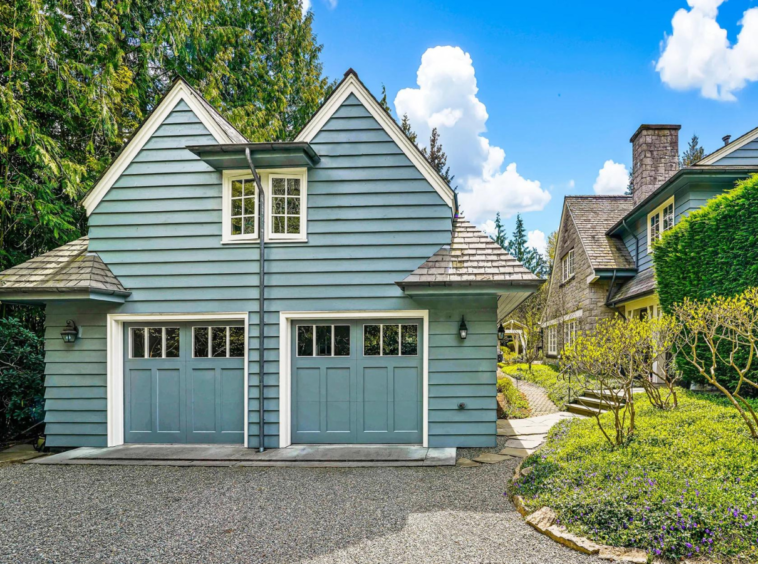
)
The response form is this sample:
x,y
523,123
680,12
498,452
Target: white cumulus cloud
x,y
446,98
306,6
536,239
698,54
489,228
612,179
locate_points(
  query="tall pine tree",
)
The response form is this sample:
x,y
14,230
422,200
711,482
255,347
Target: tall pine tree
x,y
693,154
500,237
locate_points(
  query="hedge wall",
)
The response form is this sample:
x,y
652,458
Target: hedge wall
x,y
713,251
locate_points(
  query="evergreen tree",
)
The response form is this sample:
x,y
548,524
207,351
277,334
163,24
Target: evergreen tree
x,y
405,125
437,157
693,154
383,101
500,237
517,245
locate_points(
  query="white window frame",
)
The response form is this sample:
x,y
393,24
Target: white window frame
x,y
266,180
658,212
552,340
146,343
569,332
567,266
381,340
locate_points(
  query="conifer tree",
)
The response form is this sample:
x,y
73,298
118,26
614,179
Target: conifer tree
x,y
500,237
693,154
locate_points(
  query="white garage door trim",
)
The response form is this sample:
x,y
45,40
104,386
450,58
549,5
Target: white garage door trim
x,y
115,361
285,363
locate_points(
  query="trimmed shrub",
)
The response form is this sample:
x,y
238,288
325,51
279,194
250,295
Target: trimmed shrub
x,y
713,251
516,406
684,486
22,376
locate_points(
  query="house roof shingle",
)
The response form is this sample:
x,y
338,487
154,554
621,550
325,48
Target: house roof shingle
x,y
592,216
70,268
642,284
472,258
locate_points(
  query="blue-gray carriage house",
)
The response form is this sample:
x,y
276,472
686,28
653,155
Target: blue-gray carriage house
x,y
313,291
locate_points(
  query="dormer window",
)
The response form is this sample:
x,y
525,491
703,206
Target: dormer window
x,y
660,220
285,192
567,263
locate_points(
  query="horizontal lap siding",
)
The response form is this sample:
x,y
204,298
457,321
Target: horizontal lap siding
x,y
746,155
75,375
372,219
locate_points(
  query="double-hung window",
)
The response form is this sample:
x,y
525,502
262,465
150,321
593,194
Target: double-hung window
x,y
569,332
552,340
567,264
660,220
285,194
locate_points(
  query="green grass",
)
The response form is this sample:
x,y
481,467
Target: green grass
x,y
544,375
516,405
685,485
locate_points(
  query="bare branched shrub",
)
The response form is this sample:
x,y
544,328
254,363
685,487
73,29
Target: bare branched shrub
x,y
661,335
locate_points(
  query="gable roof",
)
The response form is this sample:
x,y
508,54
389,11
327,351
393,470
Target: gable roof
x,y
592,216
70,268
351,84
738,143
221,130
471,259
641,285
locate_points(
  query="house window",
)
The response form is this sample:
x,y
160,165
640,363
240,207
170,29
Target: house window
x,y
569,332
659,221
218,342
552,340
568,265
154,342
323,340
285,193
390,340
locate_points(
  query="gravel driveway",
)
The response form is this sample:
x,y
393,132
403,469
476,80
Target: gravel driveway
x,y
131,514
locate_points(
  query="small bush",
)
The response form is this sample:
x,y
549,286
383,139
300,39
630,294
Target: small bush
x,y
22,375
516,406
544,375
686,484
509,357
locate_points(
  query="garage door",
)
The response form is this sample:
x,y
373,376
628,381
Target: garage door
x,y
357,382
184,383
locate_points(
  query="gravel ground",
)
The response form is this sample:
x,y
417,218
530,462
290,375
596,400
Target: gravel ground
x,y
119,514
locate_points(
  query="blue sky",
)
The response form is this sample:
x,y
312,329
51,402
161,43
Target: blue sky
x,y
564,84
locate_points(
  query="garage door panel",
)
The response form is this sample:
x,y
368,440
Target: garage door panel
x,y
338,417
140,392
202,400
232,401
168,399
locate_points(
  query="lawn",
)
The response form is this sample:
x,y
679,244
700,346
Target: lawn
x,y
684,486
544,375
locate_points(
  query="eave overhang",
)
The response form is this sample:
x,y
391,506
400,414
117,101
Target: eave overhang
x,y
471,287
722,174
44,295
296,154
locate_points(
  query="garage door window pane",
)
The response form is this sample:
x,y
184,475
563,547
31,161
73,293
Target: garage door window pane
x,y
409,340
200,345
172,342
236,342
218,342
155,342
323,340
372,340
342,340
390,340
305,340
138,342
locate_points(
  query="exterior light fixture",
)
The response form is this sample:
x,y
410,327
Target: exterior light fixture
x,y
463,330
70,332
501,332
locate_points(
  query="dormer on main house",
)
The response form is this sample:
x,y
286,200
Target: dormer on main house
x,y
603,262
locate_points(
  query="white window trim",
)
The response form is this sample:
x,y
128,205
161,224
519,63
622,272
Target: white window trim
x,y
286,319
567,263
569,332
266,176
552,340
381,340
659,212
115,362
567,317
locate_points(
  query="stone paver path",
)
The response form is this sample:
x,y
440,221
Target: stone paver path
x,y
527,435
539,403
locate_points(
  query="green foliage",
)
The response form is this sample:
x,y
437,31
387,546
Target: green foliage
x,y
509,355
693,154
713,251
500,237
544,375
22,375
77,78
516,406
684,486
518,249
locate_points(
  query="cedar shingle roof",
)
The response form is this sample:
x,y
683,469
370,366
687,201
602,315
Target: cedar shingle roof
x,y
643,283
593,216
70,268
471,258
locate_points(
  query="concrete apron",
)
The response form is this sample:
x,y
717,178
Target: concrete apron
x,y
302,456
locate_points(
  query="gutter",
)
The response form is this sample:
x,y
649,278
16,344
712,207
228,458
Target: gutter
x,y
262,297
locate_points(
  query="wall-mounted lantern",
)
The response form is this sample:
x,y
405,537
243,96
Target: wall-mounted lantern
x,y
501,332
463,330
70,332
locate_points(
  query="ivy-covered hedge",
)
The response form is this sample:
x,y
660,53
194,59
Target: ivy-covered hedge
x,y
713,251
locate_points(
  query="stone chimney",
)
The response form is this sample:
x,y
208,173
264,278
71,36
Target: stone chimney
x,y
655,157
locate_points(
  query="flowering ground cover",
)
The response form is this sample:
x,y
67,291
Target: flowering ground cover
x,y
685,485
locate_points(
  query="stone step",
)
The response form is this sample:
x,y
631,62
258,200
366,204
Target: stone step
x,y
588,401
582,410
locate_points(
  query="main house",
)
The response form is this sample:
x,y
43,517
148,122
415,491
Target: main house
x,y
603,260
267,294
